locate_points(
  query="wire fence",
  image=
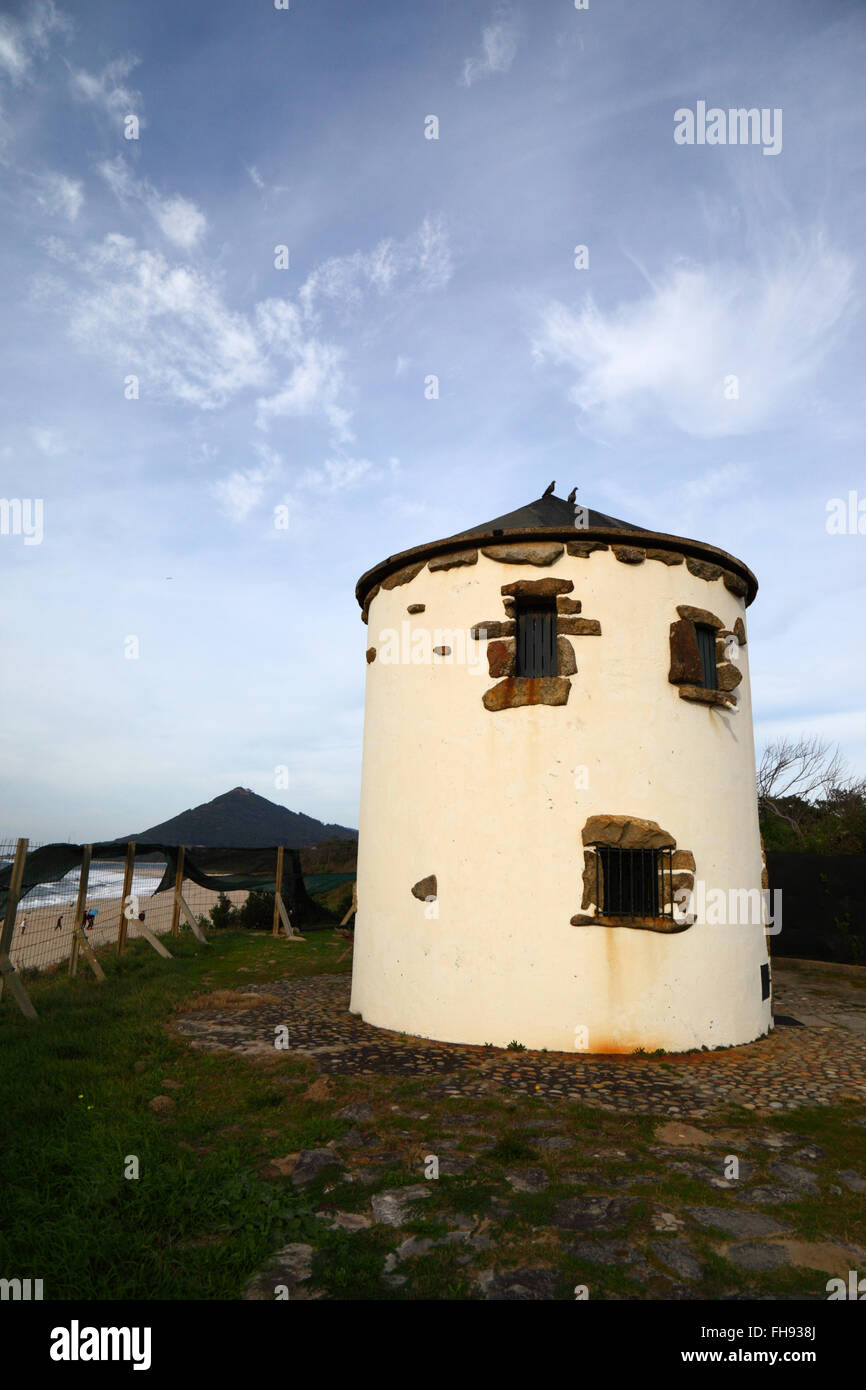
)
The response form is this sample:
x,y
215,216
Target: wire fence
x,y
43,932
62,902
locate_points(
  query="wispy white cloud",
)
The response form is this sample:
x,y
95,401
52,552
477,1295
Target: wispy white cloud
x,y
108,91
242,490
715,350
498,49
48,440
421,261
178,218
60,195
23,39
340,475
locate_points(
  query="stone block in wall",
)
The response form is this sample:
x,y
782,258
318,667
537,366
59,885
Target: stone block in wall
x,y
416,608
425,888
683,859
584,549
699,615
453,559
516,691
403,576
537,588
591,865
728,676
700,696
567,666
629,554
568,605
667,557
626,832
525,553
578,627
685,667
702,569
368,600
371,654
501,658
740,632
735,584
493,627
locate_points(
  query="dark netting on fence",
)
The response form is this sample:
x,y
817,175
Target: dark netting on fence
x,y
823,905
220,870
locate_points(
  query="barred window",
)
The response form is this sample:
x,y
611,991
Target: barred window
x,y
633,881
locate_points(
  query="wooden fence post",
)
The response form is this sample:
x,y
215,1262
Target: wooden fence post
x,y
127,890
278,888
80,904
178,889
7,969
79,938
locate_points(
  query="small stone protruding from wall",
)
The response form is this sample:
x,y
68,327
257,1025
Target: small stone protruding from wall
x,y
441,651
568,605
425,888
371,654
740,632
416,608
566,664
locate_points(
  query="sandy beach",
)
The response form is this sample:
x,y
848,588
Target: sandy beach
x,y
37,942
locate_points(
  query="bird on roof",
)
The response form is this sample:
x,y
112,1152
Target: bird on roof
x,y
548,490
572,494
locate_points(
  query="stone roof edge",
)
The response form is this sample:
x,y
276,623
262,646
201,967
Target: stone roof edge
x,y
653,540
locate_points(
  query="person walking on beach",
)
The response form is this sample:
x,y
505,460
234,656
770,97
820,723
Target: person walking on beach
x,y
23,925
58,925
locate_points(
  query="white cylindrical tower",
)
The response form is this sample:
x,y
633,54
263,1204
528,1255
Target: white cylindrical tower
x,y
559,838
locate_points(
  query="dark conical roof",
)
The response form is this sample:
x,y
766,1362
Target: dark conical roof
x,y
547,511
552,518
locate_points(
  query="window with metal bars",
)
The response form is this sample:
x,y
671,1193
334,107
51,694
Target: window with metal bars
x,y
707,650
634,882
536,638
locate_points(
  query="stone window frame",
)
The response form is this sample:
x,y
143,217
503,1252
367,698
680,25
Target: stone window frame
x,y
631,832
686,668
513,691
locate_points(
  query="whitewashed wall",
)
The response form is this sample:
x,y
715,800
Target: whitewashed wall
x,y
488,803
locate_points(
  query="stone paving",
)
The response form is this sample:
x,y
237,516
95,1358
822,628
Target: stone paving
x,y
815,1056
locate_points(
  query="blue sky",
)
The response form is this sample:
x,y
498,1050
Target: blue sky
x,y
304,387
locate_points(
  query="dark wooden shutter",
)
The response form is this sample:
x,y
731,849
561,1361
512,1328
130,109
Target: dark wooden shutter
x,y
536,640
707,648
